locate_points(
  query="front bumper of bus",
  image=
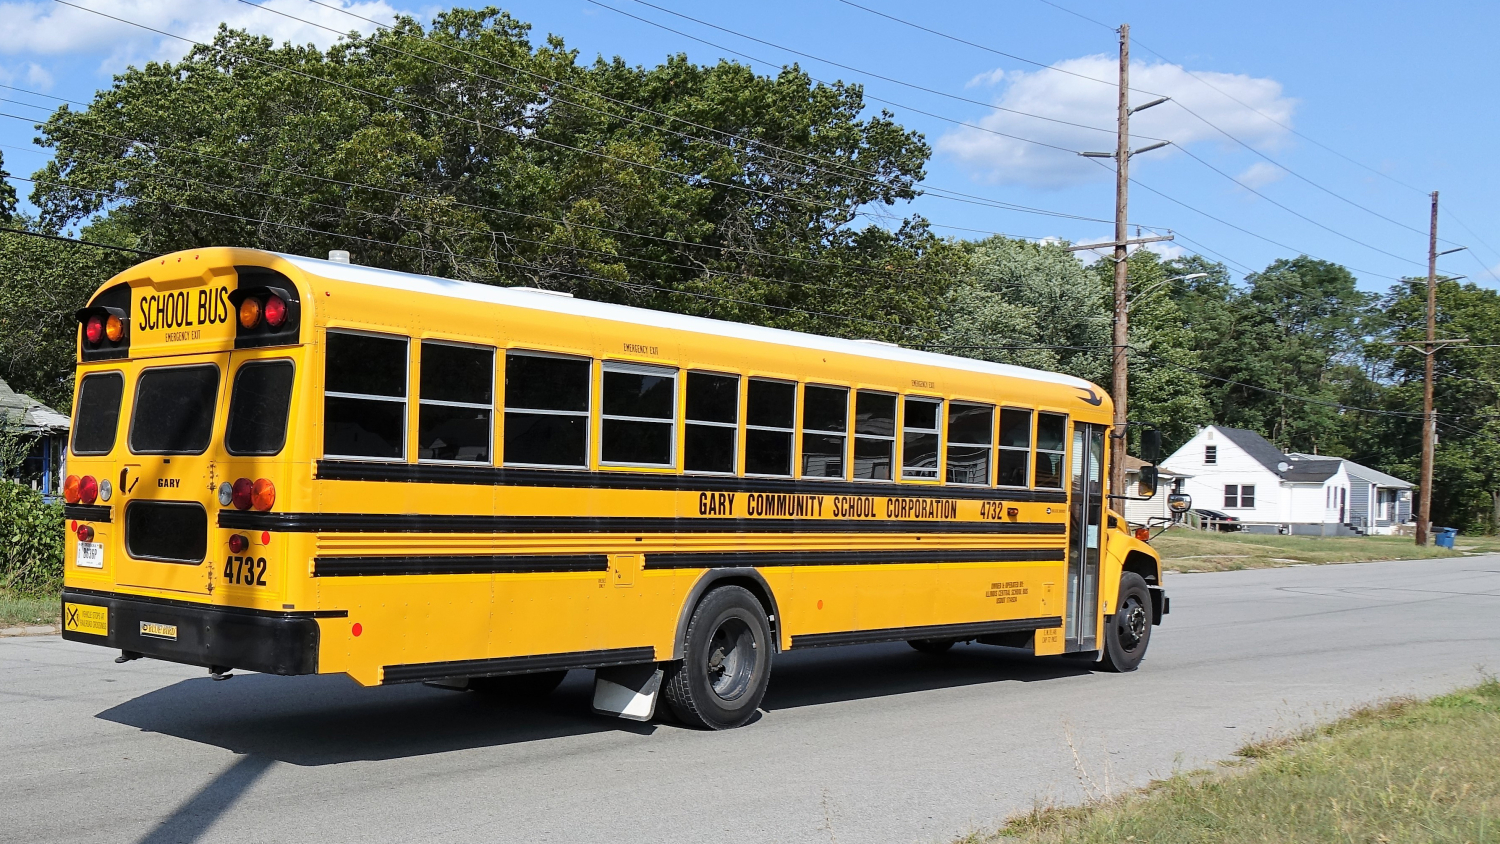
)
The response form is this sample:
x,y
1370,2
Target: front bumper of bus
x,y
214,637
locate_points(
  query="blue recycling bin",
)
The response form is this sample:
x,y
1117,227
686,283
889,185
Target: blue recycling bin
x,y
1445,536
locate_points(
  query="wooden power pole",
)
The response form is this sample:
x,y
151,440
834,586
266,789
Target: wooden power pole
x,y
1429,421
1121,335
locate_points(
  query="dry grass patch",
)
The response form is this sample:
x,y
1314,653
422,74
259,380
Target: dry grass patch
x,y
20,611
1185,549
1404,771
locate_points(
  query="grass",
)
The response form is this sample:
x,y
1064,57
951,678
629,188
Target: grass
x,y
1404,771
20,611
1185,549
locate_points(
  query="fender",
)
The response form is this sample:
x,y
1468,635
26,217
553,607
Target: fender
x,y
713,577
1122,553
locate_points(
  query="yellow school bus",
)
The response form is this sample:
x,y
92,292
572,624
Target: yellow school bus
x,y
295,466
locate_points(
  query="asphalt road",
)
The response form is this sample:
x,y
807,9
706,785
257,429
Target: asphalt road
x,y
866,744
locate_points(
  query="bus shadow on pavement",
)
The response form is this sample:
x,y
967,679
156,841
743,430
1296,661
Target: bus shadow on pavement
x,y
328,720
832,675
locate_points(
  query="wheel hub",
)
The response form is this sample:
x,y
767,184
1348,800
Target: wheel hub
x,y
1132,624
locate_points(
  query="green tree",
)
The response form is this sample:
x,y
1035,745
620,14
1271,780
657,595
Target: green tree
x,y
464,150
7,195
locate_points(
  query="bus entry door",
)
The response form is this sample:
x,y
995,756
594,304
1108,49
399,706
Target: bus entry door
x,y
1085,515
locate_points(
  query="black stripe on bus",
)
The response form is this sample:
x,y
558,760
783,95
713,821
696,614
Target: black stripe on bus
x,y
351,470
971,630
420,671
71,592
87,512
420,523
458,564
764,559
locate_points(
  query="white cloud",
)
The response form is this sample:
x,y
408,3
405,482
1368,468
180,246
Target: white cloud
x,y
50,29
987,80
1061,96
37,77
1261,173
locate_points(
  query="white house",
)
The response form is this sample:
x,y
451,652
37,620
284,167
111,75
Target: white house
x,y
1378,503
1242,474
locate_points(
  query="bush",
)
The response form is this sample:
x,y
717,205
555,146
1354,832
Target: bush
x,y
31,541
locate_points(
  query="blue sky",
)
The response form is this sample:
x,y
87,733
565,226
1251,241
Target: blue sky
x,y
1401,88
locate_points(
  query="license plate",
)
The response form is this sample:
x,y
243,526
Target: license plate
x,y
90,555
86,618
157,630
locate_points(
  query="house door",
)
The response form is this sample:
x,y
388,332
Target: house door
x,y
1085,515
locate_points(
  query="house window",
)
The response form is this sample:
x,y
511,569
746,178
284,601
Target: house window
x,y
1210,455
1239,495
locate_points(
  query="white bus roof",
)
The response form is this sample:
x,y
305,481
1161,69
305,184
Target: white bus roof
x,y
537,300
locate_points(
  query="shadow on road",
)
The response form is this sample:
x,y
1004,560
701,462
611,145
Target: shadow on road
x,y
325,720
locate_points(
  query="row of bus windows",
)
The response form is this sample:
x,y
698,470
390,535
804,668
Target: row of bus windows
x,y
174,410
844,433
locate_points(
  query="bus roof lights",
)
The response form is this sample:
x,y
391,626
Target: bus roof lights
x,y
114,328
250,312
94,330
275,311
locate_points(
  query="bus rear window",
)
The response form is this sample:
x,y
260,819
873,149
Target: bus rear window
x,y
174,410
98,413
258,408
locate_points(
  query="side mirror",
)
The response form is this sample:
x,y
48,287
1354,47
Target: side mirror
x,y
1151,445
1179,502
1146,486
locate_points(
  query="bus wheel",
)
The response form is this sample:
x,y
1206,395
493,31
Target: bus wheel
x,y
519,686
727,662
1129,632
931,646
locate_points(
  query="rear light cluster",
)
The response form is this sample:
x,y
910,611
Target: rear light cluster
x,y
245,494
269,308
86,489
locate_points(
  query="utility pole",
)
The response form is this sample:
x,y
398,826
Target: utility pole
x,y
1120,370
1429,421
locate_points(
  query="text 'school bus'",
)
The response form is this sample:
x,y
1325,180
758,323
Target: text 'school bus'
x,y
297,466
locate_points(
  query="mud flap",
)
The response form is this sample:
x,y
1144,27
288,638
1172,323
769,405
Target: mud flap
x,y
627,691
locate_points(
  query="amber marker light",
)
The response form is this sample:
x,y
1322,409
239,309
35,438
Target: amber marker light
x,y
263,494
250,312
114,329
70,489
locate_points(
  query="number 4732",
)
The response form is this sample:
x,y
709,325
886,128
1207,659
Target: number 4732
x,y
245,571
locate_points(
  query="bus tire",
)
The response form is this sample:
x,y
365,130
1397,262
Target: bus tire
x,y
726,663
519,686
1128,631
931,646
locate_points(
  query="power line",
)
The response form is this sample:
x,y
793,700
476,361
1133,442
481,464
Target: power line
x,y
77,240
531,137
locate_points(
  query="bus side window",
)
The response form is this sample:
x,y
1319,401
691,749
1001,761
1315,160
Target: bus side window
x,y
770,419
258,407
364,396
456,398
98,413
638,423
546,410
874,435
825,430
713,413
971,428
919,439
1051,447
1015,447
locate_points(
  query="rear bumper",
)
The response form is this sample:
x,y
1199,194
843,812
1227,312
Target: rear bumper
x,y
195,634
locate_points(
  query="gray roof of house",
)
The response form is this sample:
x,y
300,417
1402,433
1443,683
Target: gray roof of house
x,y
1256,446
1366,474
1306,471
30,415
1300,469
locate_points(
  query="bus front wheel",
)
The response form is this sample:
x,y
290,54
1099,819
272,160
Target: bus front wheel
x,y
1128,632
726,662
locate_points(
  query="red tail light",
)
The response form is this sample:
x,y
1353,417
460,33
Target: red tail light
x,y
70,489
275,311
238,544
241,496
85,533
88,489
94,330
250,312
263,494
